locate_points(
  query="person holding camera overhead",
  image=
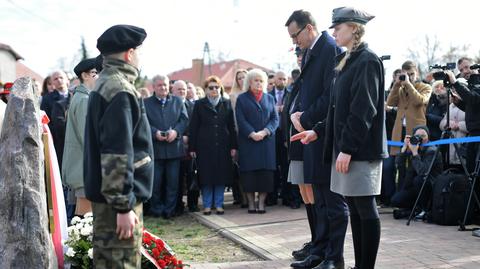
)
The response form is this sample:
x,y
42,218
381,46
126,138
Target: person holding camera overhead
x,y
168,120
355,138
421,157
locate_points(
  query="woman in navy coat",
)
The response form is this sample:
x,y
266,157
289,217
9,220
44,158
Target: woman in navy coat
x,y
213,142
257,121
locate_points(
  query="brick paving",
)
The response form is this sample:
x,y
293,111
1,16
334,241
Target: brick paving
x,y
273,236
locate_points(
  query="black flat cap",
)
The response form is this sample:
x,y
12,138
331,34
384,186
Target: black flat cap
x,y
84,66
349,14
99,63
120,38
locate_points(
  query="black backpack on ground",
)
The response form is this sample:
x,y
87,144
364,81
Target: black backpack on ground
x,y
450,197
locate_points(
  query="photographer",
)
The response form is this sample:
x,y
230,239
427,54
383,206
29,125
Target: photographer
x,y
469,102
421,158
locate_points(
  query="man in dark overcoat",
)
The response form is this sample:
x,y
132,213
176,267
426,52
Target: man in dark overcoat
x,y
331,213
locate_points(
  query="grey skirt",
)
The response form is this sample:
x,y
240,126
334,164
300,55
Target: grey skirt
x,y
363,179
295,172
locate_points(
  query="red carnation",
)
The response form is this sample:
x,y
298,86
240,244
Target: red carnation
x,y
155,253
159,243
162,263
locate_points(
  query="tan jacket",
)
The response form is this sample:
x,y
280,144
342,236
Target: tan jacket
x,y
411,103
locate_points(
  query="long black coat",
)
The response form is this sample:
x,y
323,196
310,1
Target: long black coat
x,y
316,80
212,136
356,118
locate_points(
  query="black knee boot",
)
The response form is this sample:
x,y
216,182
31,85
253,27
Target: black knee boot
x,y
356,225
370,241
311,220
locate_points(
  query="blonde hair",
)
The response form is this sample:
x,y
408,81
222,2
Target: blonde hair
x,y
236,87
357,40
253,74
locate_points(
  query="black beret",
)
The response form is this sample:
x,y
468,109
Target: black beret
x,y
99,63
120,38
84,66
349,14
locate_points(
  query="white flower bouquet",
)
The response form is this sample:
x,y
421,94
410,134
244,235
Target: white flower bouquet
x,y
79,244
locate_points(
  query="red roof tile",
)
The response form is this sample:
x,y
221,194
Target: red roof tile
x,y
224,70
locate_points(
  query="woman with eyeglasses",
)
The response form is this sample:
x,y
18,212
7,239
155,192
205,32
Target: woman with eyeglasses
x,y
257,121
213,143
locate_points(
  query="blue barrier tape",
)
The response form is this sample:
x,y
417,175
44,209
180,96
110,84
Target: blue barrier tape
x,y
469,139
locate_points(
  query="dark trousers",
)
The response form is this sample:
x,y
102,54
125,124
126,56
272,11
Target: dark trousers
x,y
406,196
331,223
388,180
165,187
185,178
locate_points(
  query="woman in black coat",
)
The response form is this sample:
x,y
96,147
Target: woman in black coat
x,y
355,139
213,143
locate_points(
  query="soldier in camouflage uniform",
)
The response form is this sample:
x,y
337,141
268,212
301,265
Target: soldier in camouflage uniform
x,y
118,152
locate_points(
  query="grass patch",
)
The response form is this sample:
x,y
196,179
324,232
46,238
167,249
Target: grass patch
x,y
195,243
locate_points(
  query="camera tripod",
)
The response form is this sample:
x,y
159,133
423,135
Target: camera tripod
x,y
471,177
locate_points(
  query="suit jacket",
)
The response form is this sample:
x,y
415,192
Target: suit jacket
x,y
280,133
253,116
172,115
48,101
58,125
212,136
316,81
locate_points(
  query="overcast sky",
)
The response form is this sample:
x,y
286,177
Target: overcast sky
x,y
45,31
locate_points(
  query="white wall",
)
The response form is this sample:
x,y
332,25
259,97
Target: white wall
x,y
7,67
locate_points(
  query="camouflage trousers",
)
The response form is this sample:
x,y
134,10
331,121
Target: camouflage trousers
x,y
108,251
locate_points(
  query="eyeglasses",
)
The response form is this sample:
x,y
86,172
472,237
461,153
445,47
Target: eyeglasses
x,y
213,87
294,36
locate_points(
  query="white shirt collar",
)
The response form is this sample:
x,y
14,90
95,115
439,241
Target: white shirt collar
x,y
315,41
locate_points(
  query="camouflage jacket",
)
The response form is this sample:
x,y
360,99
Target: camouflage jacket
x,y
118,165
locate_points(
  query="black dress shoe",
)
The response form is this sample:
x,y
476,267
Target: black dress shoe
x,y
302,253
309,262
329,264
252,211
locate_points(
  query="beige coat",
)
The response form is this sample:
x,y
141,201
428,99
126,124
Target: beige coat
x,y
411,103
3,106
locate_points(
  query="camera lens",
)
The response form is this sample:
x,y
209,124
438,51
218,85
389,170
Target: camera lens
x,y
402,77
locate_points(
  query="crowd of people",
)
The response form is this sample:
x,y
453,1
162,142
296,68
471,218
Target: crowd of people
x,y
318,137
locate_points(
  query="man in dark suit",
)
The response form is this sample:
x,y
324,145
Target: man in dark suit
x,y
290,195
331,213
168,120
180,89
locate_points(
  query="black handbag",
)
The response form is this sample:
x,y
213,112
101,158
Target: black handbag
x,y
194,184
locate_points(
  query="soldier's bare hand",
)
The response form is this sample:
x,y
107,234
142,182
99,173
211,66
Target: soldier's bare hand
x,y
125,224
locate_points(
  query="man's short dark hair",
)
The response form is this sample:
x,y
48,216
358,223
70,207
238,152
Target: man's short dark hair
x,y
270,75
464,59
302,18
295,72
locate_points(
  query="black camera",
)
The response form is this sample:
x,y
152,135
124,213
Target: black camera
x,y
163,133
416,139
402,77
441,75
